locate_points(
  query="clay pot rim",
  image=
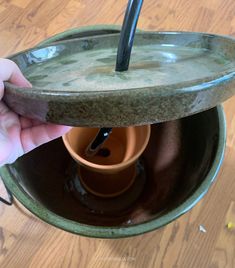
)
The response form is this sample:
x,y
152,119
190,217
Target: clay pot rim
x,y
92,165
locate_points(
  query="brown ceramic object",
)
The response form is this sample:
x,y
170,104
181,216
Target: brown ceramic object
x,y
108,176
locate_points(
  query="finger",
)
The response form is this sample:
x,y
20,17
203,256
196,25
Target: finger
x,y
1,89
27,123
38,135
9,71
3,108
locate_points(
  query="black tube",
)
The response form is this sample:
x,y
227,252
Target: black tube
x,y
98,141
127,34
10,197
122,62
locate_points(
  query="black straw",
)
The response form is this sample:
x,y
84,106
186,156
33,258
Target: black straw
x,y
122,62
127,34
98,141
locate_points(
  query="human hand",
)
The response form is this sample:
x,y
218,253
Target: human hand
x,y
19,135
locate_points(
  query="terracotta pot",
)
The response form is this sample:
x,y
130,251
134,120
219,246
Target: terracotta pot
x,y
113,174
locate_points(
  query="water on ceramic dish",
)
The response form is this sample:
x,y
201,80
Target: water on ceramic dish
x,y
151,65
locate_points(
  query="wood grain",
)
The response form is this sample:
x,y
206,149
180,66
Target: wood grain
x,y
25,241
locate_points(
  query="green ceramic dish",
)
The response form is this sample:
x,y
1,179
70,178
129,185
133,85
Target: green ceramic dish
x,y
171,75
81,32
181,162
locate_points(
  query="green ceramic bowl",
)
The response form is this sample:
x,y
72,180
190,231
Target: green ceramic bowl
x,y
171,75
179,165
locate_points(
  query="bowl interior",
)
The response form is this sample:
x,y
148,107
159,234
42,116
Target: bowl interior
x,y
87,65
176,161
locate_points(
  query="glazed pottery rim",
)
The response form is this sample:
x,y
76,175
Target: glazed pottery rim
x,y
125,231
191,86
97,27
86,28
83,161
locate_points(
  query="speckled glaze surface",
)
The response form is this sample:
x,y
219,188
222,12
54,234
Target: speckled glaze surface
x,y
171,75
180,163
85,31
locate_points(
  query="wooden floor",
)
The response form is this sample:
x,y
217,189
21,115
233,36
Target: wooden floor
x,y
25,241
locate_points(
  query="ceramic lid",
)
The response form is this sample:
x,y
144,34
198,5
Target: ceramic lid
x,y
171,75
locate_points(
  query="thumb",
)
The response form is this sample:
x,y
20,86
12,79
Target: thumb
x,y
9,71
